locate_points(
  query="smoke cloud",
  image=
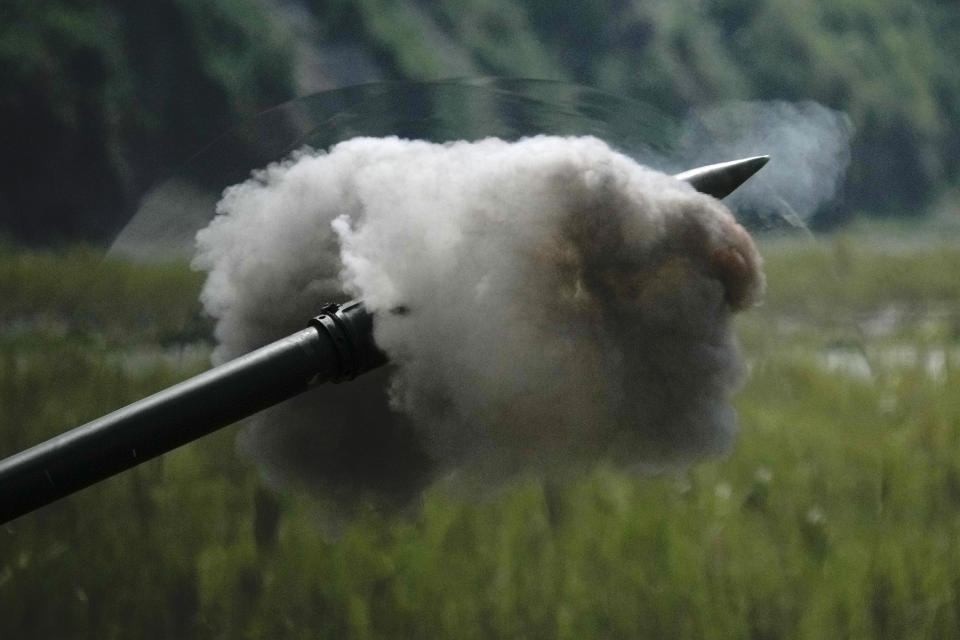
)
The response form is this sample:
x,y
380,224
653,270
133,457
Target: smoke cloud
x,y
809,146
544,303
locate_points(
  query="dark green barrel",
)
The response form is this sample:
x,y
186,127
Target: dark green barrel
x,y
337,346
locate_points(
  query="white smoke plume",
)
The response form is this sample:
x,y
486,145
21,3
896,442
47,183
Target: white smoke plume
x,y
562,304
809,146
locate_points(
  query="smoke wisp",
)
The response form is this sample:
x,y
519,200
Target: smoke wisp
x,y
544,303
809,146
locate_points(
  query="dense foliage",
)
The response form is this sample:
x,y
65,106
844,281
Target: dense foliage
x,y
98,98
892,67
836,516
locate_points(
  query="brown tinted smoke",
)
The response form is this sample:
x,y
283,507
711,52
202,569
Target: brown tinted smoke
x,y
566,304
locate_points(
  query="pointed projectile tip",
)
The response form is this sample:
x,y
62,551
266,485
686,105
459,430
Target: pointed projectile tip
x,y
722,179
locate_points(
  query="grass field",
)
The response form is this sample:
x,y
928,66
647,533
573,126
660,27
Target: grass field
x,y
837,514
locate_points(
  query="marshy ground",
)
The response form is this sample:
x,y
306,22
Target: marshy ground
x,y
837,514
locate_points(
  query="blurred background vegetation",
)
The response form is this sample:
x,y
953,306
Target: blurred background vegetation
x,y
101,99
838,513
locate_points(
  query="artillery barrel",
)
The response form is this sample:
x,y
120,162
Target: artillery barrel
x,y
337,346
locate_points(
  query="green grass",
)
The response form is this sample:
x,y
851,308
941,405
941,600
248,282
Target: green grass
x,y
80,292
837,514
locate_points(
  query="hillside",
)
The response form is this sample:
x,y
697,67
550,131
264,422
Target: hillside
x,y
101,99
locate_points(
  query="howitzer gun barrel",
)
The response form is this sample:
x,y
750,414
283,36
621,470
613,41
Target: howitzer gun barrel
x,y
337,346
